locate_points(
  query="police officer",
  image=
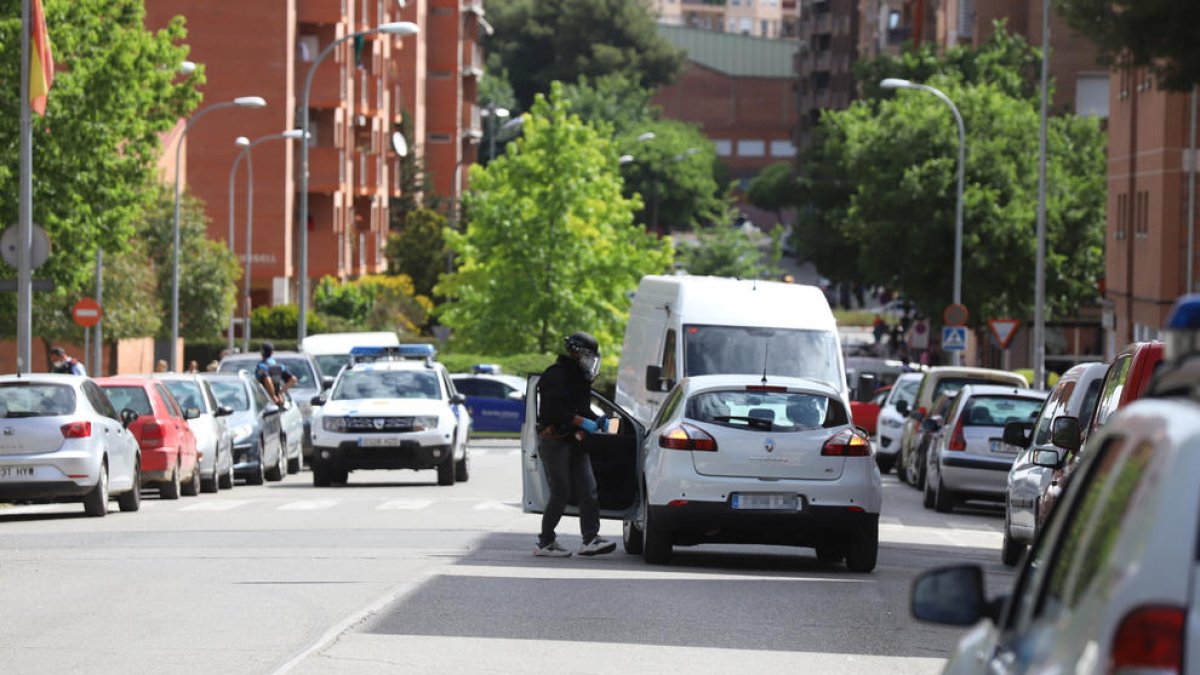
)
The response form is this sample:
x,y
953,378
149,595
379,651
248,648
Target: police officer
x,y
65,364
564,418
272,375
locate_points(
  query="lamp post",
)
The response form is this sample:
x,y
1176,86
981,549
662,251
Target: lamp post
x,y
240,102
1039,284
493,112
894,83
241,142
397,28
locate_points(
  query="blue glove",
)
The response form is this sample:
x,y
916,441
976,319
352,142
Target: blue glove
x,y
589,426
602,423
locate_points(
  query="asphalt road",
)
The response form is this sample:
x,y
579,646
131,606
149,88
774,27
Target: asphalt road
x,y
395,574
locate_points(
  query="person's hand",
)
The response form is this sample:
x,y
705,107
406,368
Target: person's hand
x,y
589,426
602,423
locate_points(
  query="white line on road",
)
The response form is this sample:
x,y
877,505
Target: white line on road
x,y
569,571
309,505
496,506
405,505
227,505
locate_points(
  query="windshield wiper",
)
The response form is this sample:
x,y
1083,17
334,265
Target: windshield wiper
x,y
752,421
13,415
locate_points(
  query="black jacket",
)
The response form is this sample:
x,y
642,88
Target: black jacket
x,y
564,392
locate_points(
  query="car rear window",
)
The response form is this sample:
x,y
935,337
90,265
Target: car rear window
x,y
33,399
305,377
766,411
996,411
134,398
951,385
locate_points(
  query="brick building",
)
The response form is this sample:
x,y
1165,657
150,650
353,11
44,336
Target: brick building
x,y
759,18
824,79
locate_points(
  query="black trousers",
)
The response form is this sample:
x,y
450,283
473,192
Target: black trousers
x,y
567,467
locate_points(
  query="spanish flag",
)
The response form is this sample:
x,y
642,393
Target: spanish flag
x,y
41,61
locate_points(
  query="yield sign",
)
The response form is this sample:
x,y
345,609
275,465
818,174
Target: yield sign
x,y
1003,330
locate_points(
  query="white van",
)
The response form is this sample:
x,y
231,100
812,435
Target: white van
x,y
332,350
682,326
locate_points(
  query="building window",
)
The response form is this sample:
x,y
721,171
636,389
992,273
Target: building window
x,y
783,149
440,138
1122,205
747,25
751,149
1091,95
732,26
307,47
766,28
724,147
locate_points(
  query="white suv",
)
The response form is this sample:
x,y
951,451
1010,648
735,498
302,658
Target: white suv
x,y
390,414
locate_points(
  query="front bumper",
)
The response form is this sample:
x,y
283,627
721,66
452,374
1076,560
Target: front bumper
x,y
718,522
409,454
247,457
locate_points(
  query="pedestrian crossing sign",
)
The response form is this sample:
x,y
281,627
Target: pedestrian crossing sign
x,y
954,338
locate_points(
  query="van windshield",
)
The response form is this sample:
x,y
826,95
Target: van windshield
x,y
724,350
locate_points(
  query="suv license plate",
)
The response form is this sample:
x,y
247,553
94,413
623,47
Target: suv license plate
x,y
378,442
766,502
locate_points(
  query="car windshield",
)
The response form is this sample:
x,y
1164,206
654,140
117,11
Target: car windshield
x,y
134,398
330,364
187,393
952,385
359,384
906,391
29,399
231,393
305,378
766,411
724,350
996,411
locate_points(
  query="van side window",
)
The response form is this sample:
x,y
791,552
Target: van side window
x,y
668,357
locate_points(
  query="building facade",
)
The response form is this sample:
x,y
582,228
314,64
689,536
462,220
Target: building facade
x,y
758,18
829,35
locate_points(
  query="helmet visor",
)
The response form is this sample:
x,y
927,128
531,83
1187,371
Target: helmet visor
x,y
590,363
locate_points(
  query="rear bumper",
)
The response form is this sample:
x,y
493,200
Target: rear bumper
x,y
709,522
158,461
983,476
65,473
59,489
348,456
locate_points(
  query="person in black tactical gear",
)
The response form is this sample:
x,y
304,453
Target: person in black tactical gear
x,y
272,375
63,363
564,417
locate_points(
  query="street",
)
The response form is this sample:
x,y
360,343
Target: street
x,y
394,574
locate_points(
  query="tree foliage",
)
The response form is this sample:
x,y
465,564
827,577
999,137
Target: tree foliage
x,y
373,302
542,41
1160,34
551,247
615,99
418,249
673,172
95,151
279,322
773,189
724,251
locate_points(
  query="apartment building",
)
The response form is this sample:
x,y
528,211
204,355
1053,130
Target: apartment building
x,y
829,36
757,18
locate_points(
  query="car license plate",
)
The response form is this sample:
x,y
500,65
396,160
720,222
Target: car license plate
x,y
998,445
766,502
378,442
16,472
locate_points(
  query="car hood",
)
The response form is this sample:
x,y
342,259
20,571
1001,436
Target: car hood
x,y
240,417
386,406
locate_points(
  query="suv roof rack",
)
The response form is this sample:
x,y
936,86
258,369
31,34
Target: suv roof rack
x,y
410,352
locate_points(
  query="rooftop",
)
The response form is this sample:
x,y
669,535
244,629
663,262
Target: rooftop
x,y
732,54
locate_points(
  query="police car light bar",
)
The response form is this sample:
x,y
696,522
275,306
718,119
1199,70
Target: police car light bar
x,y
410,352
486,369
1183,328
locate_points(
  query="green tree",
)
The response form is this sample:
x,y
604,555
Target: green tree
x,y
130,278
674,174
773,189
279,322
373,302
724,251
418,249
495,90
1159,34
616,99
542,41
551,246
95,151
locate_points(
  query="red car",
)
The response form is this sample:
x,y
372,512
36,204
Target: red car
x,y
865,414
169,457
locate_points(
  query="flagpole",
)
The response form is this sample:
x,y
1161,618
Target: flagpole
x,y
25,209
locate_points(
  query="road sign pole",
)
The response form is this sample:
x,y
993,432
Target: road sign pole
x,y
25,208
98,346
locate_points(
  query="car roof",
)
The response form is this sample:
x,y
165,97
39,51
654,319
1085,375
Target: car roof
x,y
1002,390
399,364
698,382
56,378
501,377
247,356
125,380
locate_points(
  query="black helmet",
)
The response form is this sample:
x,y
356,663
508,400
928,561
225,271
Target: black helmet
x,y
581,341
267,349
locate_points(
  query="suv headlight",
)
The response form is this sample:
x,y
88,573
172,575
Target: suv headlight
x,y
425,423
335,424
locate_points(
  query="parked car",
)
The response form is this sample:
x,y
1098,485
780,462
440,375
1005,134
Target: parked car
x,y
170,460
865,374
970,459
927,434
332,350
887,441
292,432
213,440
310,381
866,414
729,458
1026,505
255,426
940,380
61,439
496,402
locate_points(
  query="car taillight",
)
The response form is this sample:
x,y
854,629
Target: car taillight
x,y
152,435
957,440
1149,640
77,430
846,443
687,437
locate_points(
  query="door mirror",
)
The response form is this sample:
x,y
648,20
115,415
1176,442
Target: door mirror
x,y
654,380
458,399
317,400
1051,459
191,413
952,596
1016,434
224,411
932,425
327,382
1065,433
270,409
128,416
867,384
515,395
902,408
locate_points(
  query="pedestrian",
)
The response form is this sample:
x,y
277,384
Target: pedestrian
x,y
193,367
879,328
896,341
161,366
272,375
65,364
212,367
564,418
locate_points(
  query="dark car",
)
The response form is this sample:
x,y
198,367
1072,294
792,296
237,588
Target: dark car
x,y
254,425
496,402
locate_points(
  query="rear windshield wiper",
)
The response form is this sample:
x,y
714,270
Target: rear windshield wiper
x,y
15,414
752,421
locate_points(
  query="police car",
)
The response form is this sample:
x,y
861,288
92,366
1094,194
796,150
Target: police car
x,y
391,408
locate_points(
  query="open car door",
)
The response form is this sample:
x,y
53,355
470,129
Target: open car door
x,y
616,460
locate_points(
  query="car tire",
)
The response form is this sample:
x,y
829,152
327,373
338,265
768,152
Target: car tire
x,y
132,501
830,553
341,476
322,475
445,471
462,468
863,550
192,487
656,542
885,463
276,473
259,475
213,484
921,472
171,488
226,481
631,538
943,499
95,502
927,499
1011,550
293,464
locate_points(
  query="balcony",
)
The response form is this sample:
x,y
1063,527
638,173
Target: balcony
x,y
821,61
473,62
472,122
326,170
368,85
367,14
328,86
324,12
366,175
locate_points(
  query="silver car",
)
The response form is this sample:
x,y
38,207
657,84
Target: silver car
x,y
310,382
969,459
254,424
61,440
213,439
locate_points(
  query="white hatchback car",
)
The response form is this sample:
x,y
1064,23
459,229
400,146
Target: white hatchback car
x,y
214,442
891,422
61,440
391,414
730,459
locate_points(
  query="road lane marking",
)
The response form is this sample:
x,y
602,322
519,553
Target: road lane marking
x,y
405,505
226,505
496,506
309,505
625,573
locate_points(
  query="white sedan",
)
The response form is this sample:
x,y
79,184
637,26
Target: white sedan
x,y
61,440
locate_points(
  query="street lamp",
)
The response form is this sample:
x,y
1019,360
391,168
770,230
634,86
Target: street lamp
x,y
895,83
492,112
248,146
239,102
396,28
241,142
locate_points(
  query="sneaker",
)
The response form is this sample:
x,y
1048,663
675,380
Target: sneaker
x,y
597,546
552,550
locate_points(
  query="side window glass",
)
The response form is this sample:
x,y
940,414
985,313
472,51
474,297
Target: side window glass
x,y
1089,403
668,359
172,406
260,396
467,387
1114,384
669,406
99,401
1055,406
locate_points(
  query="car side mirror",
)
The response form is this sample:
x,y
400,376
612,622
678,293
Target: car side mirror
x,y
326,383
224,411
1065,433
317,400
191,413
516,396
952,596
654,380
902,408
458,399
1016,434
271,409
128,416
1051,459
932,424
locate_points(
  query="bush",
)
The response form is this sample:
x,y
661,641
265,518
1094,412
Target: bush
x,y
279,322
524,365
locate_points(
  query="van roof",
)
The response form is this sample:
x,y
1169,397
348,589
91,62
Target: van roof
x,y
722,301
341,343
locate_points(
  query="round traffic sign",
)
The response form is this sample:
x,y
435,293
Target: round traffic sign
x,y
10,241
86,312
955,315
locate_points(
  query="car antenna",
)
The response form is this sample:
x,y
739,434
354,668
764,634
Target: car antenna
x,y
766,355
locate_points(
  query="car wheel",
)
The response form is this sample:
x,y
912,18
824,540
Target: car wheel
x,y
631,538
830,553
226,480
445,471
341,476
863,550
656,542
170,489
462,468
132,500
921,472
322,474
293,464
95,502
213,484
885,463
259,476
276,472
1011,549
192,487
943,499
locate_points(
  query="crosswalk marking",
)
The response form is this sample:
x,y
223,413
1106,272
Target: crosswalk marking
x,y
405,505
226,505
496,506
309,505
